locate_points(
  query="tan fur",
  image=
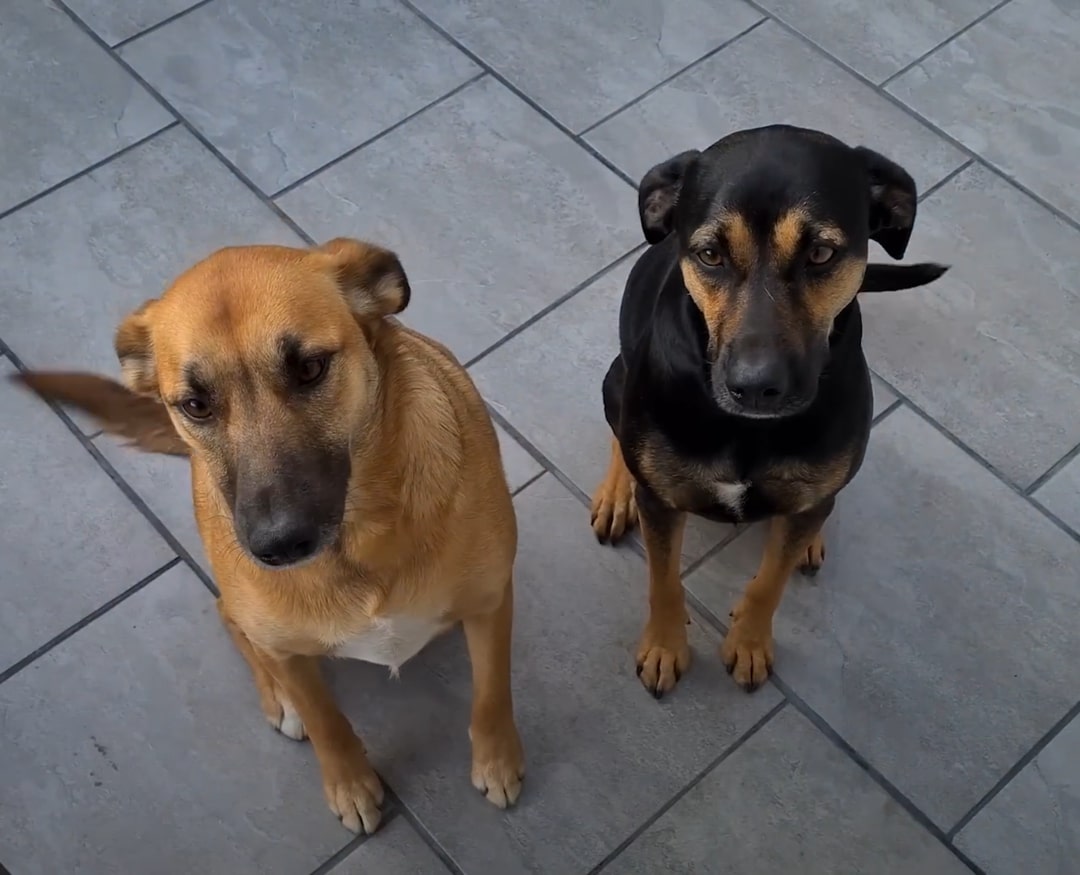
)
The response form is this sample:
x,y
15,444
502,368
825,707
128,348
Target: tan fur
x,y
429,530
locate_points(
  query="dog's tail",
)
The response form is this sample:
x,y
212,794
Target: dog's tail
x,y
893,277
143,421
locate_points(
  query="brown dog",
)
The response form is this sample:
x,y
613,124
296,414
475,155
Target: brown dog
x,y
347,484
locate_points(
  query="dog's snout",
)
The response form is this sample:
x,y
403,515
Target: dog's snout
x,y
757,378
283,539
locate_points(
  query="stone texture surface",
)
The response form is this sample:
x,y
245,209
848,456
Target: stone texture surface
x,y
938,643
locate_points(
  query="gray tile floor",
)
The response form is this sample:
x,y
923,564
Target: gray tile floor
x,y
925,713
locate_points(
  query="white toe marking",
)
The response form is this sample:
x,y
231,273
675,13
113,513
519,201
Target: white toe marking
x,y
291,724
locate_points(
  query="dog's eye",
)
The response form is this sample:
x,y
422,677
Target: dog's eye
x,y
821,255
311,370
195,408
710,257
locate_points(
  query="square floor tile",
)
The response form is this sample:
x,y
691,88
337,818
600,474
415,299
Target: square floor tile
x,y
282,88
118,20
395,849
787,801
768,77
75,263
583,61
520,466
142,735
494,212
601,754
939,639
548,384
1033,824
66,103
991,350
878,38
164,483
1007,90
1061,494
70,540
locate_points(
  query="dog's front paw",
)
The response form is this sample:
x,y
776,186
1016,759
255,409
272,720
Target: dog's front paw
x,y
498,763
614,510
663,655
747,650
353,790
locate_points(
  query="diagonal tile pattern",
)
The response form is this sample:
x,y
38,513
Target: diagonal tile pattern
x,y
924,718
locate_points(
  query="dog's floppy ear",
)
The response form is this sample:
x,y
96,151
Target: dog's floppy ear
x,y
135,351
893,200
371,278
658,193
143,421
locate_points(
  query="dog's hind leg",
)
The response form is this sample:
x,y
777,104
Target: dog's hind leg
x,y
278,710
498,764
747,650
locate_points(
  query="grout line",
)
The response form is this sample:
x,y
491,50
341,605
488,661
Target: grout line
x,y
331,862
925,122
527,483
945,180
978,20
701,776
160,24
838,741
350,152
1017,767
896,405
1000,476
558,302
12,670
423,832
549,466
1046,475
191,129
676,75
132,496
86,171
521,95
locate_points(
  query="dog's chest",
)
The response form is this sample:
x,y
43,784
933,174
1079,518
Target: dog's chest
x,y
390,641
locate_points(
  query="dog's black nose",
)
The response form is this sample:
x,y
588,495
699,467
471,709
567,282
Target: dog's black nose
x,y
282,542
758,380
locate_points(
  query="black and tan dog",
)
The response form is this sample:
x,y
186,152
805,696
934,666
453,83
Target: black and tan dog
x,y
740,392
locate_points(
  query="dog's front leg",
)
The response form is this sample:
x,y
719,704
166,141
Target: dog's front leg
x,y
664,652
353,790
747,650
498,763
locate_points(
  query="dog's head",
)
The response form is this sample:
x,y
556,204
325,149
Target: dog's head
x,y
773,227
259,361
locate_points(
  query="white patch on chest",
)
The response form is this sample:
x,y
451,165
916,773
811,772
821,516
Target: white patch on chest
x,y
390,641
729,494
